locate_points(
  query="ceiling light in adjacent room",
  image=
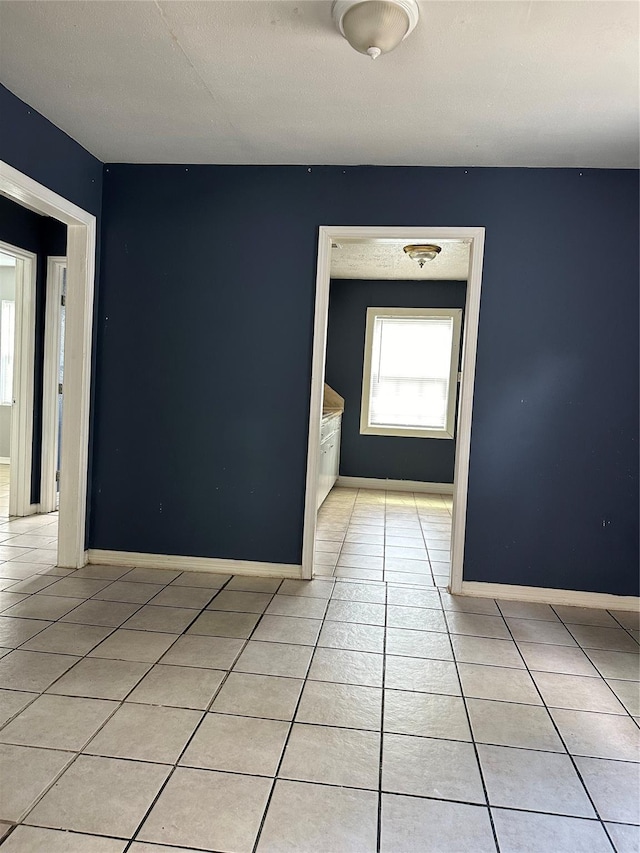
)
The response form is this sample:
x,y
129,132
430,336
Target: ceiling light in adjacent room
x,y
422,253
373,27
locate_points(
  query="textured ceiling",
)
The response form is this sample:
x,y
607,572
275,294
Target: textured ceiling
x,y
385,259
477,83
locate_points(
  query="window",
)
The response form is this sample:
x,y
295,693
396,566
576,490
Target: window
x,y
410,372
7,327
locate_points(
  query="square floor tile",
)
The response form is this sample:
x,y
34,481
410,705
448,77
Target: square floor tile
x,y
77,800
497,682
359,574
110,614
540,631
172,620
427,676
368,593
315,588
469,604
110,573
585,616
425,714
178,686
577,692
347,667
414,825
427,767
297,605
598,735
535,781
266,696
100,679
249,584
412,597
626,838
208,810
614,787
274,659
335,819
41,606
8,599
288,629
128,592
15,632
241,602
477,625
208,652
360,561
527,610
186,597
623,665
356,611
590,637
223,623
58,722
144,646
203,580
161,576
544,657
237,745
357,638
33,839
509,724
628,692
333,756
33,671
344,705
146,733
31,771
484,650
76,587
12,702
418,644
524,832
417,618
65,638
629,619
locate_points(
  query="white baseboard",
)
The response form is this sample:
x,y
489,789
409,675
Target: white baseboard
x,y
214,565
5,460
545,595
395,485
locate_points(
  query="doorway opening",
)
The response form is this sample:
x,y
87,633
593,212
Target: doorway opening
x,y
424,512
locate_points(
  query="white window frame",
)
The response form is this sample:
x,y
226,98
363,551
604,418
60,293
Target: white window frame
x,y
367,428
7,338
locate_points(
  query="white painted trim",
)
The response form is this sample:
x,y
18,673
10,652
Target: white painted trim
x,y
395,485
5,460
545,595
327,234
81,256
193,564
21,449
49,461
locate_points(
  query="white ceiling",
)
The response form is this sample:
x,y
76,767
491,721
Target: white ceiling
x,y
522,83
386,260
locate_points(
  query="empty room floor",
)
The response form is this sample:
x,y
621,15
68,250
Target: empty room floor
x,y
155,711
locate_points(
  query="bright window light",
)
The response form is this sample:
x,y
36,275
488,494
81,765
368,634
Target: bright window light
x,y
7,330
410,372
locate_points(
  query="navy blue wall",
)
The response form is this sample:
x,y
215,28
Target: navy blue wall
x,y
44,236
430,460
204,348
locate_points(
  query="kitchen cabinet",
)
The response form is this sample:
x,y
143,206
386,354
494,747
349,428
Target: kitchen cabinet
x,y
329,461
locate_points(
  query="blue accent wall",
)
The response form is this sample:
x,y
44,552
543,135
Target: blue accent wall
x,y
429,460
204,352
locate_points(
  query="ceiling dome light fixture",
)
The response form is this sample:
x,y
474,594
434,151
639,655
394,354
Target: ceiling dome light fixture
x,y
422,253
373,27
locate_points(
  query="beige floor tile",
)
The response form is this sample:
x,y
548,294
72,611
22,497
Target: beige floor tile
x,y
143,847
425,714
110,614
577,692
621,665
288,629
297,605
206,652
590,637
527,610
347,667
510,724
347,573
426,676
614,787
484,650
58,722
598,735
359,561
585,616
477,625
12,702
627,618
405,564
335,819
414,825
128,592
544,657
41,606
540,631
31,771
628,692
535,781
241,602
143,646
8,599
418,644
344,705
249,584
412,597
172,620
32,839
469,604
74,587
77,800
223,623
266,696
346,635
237,745
110,573
208,810
523,832
36,583
625,837
416,618
14,632
497,682
204,580
364,549
32,671
178,687
274,659
145,733
193,598
161,576
333,756
100,679
357,612
66,638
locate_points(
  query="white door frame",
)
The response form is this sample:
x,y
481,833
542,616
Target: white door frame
x,y
48,492
327,234
20,454
81,256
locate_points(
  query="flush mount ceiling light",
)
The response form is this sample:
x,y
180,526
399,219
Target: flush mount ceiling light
x,y
373,27
422,253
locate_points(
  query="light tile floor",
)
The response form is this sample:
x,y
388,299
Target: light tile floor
x,y
154,711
